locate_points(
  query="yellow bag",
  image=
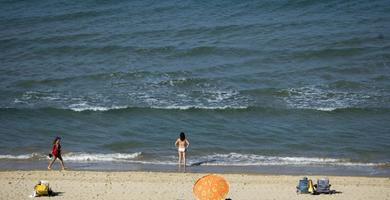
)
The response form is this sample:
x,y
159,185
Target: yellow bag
x,y
311,187
42,190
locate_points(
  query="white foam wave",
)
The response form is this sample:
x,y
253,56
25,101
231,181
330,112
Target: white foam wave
x,y
236,159
85,107
187,107
326,109
323,99
183,100
77,156
160,98
17,157
220,96
101,157
230,159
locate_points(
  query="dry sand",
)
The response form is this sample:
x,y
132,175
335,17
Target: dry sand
x,y
154,185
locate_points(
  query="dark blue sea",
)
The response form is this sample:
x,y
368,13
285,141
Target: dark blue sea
x,y
282,87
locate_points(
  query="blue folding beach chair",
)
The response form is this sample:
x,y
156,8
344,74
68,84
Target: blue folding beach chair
x,y
303,186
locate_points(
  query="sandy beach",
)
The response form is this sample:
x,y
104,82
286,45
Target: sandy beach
x,y
265,92
156,185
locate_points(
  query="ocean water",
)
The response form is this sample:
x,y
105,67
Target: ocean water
x,y
260,86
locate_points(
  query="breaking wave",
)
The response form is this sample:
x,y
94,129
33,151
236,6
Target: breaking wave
x,y
77,157
237,159
230,159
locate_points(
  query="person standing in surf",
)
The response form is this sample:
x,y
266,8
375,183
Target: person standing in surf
x,y
56,153
182,144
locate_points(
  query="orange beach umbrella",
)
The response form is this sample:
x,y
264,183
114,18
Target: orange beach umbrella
x,y
211,187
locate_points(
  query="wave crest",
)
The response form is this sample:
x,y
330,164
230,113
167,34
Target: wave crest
x,y
323,99
77,156
237,159
229,159
101,157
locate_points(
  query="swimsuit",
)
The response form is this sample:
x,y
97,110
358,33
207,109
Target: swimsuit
x,y
182,149
56,151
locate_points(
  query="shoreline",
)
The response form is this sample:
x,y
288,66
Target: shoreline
x,y
266,170
174,185
189,172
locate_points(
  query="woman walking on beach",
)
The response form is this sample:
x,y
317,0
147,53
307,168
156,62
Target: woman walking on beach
x,y
182,145
56,153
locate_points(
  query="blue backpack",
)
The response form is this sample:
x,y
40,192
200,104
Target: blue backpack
x,y
303,186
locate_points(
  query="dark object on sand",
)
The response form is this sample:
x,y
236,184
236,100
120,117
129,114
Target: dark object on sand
x,y
323,187
202,162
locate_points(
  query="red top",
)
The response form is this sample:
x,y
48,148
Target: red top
x,y
56,150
